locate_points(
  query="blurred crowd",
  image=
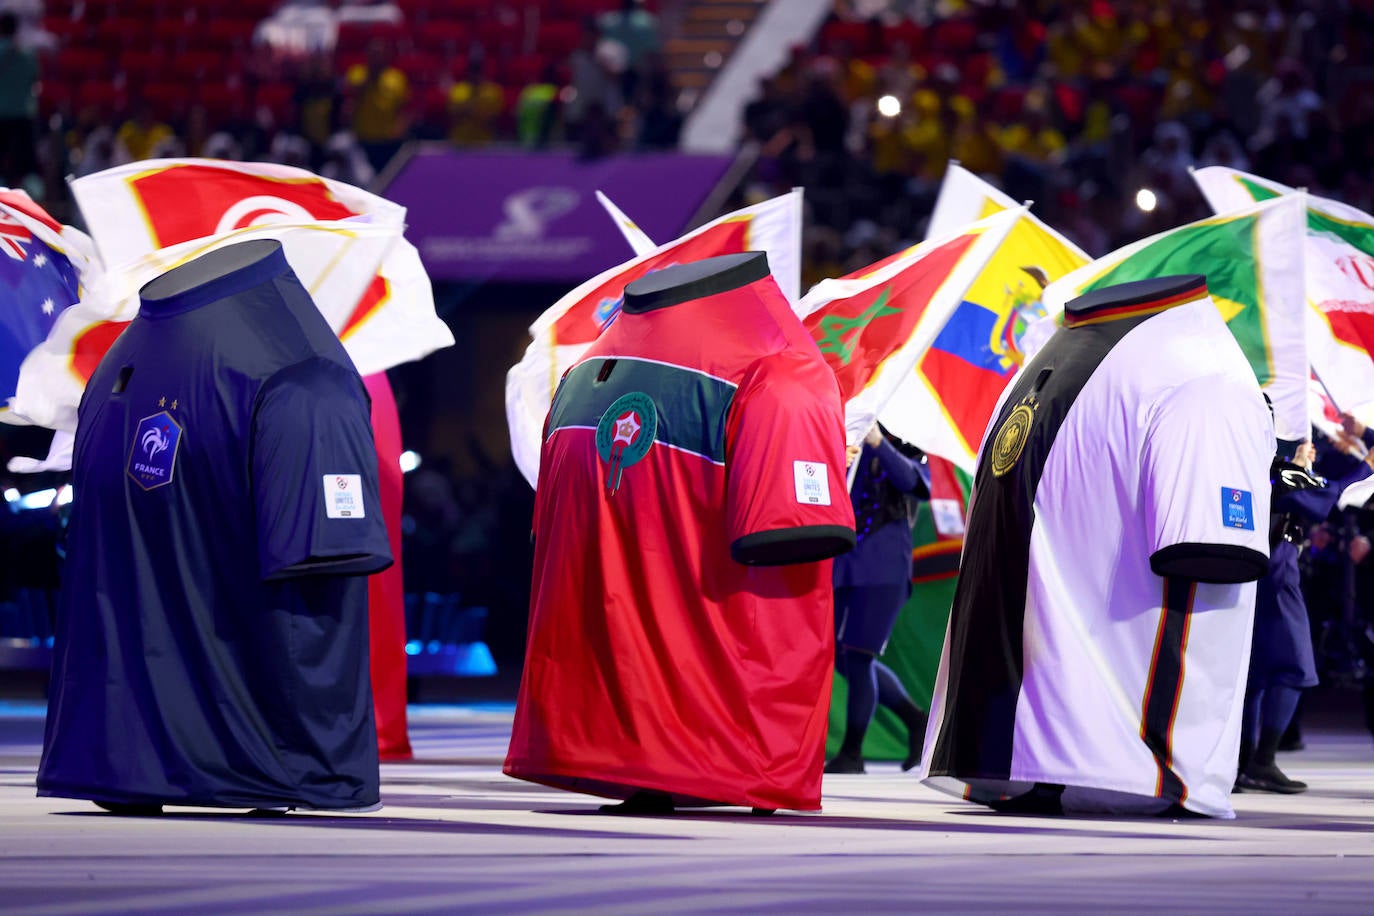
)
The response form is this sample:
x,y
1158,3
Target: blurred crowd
x,y
1077,105
342,106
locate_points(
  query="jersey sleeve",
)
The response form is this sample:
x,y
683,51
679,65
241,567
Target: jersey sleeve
x,y
314,472
1205,482
786,498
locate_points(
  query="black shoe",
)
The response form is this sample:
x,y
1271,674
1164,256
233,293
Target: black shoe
x,y
643,802
845,763
131,809
1268,778
916,741
1043,798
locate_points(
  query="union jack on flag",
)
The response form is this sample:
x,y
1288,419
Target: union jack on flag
x,y
37,283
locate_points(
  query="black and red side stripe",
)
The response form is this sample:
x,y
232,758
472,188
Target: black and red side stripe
x,y
1165,684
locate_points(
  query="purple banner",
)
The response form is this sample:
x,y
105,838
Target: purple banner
x,y
535,216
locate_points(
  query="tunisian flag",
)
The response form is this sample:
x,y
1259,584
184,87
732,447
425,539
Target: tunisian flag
x,y
135,209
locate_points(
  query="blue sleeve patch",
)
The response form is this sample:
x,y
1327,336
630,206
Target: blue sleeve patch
x,y
1237,509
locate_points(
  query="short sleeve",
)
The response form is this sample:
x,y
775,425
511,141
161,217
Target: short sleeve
x,y
786,495
1205,481
314,468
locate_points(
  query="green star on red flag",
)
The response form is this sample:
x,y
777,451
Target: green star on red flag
x,y
840,335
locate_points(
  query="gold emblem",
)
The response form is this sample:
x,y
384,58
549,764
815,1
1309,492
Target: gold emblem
x,y
1011,438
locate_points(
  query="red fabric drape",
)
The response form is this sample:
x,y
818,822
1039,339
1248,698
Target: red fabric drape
x,y
385,591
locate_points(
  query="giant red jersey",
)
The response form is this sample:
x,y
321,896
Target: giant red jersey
x,y
691,493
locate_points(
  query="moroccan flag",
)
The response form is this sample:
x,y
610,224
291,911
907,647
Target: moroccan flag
x,y
38,282
873,325
1253,261
563,333
947,402
336,261
141,207
1339,272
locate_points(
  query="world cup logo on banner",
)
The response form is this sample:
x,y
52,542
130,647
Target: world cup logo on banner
x,y
625,434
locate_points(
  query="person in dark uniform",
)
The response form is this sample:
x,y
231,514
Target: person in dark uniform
x,y
872,583
1281,657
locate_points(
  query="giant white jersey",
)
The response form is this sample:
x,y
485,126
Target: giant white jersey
x,y
1101,627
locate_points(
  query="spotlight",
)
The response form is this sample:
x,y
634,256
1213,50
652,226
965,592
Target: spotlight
x,y
889,106
11,495
1146,200
38,499
409,461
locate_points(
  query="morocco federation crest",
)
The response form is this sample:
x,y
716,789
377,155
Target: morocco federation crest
x,y
625,434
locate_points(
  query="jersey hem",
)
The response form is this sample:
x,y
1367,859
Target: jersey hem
x,y
610,787
82,793
781,546
984,794
1217,564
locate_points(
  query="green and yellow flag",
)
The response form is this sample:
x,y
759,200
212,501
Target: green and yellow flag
x,y
1253,261
1339,272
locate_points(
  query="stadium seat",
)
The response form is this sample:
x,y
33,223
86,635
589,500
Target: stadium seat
x,y
839,33
523,70
55,95
118,33
141,65
558,37
954,36
420,66
196,65
169,100
81,63
498,37
908,32
100,94
445,38
66,30
220,101
278,98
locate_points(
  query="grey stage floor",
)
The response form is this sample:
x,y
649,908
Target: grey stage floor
x,y
456,835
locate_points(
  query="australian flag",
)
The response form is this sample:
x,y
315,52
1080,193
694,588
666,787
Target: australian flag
x,y
37,282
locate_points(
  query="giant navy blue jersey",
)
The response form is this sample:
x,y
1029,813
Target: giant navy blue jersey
x,y
212,644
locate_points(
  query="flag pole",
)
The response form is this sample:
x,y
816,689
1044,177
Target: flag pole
x,y
1326,390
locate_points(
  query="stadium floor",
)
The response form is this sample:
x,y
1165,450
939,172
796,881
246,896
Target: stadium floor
x,y
456,835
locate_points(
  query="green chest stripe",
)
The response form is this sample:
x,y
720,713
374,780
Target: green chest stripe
x,y
691,406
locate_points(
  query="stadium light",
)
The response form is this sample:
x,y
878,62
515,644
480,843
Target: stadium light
x,y
409,461
889,106
1146,200
38,499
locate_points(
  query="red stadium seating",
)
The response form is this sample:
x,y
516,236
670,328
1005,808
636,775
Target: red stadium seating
x,y
420,66
140,66
81,63
278,98
445,37
169,100
221,102
558,37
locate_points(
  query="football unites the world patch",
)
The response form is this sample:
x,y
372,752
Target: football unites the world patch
x,y
625,434
343,496
1237,509
812,480
153,454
